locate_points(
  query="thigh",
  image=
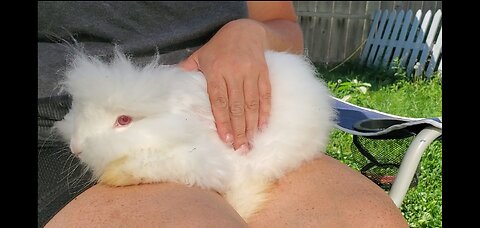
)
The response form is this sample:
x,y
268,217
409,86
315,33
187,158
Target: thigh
x,y
322,193
327,193
148,205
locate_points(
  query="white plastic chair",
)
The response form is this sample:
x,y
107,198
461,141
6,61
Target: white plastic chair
x,y
374,125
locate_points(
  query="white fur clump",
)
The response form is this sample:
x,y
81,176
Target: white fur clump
x,y
173,137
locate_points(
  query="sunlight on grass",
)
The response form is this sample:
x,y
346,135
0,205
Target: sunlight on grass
x,y
398,95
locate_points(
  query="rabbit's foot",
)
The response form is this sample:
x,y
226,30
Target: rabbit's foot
x,y
116,175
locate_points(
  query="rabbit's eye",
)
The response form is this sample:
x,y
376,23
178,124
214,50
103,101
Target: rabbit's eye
x,y
123,120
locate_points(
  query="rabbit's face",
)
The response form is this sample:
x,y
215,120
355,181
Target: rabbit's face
x,y
98,135
86,121
119,109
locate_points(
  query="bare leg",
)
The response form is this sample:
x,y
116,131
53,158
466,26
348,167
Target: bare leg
x,y
327,193
322,193
149,205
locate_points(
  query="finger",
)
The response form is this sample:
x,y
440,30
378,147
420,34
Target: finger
x,y
265,93
251,106
217,91
236,103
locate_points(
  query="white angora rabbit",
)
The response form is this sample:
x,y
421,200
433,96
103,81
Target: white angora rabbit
x,y
132,125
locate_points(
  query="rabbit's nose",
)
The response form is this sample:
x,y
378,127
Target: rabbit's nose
x,y
75,148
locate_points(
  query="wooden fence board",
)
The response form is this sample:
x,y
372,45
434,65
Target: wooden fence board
x,y
368,45
418,45
428,45
394,37
377,38
333,30
418,41
338,35
437,48
382,44
411,32
403,34
323,32
355,29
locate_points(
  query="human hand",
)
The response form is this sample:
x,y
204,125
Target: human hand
x,y
233,62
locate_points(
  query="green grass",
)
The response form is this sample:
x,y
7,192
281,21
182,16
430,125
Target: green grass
x,y
394,93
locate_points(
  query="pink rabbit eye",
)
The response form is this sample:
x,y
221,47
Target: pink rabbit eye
x,y
123,120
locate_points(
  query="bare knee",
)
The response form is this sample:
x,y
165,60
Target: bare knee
x,y
358,202
326,193
370,210
155,205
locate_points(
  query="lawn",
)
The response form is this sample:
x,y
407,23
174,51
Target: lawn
x,y
393,92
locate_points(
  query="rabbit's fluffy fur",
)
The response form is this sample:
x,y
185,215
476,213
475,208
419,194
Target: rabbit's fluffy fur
x,y
173,136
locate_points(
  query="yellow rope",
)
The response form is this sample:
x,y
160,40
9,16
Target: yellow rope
x,y
349,57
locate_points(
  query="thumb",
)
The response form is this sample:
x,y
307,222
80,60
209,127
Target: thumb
x,y
190,63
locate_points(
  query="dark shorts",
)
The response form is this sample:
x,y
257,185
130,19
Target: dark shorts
x,y
61,177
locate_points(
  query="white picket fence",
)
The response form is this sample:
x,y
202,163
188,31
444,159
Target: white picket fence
x,y
416,41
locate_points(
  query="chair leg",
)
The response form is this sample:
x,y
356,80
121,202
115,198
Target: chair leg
x,y
410,163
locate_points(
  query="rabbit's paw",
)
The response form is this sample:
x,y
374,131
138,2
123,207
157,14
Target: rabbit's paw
x,y
116,175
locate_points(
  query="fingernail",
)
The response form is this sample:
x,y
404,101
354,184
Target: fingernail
x,y
229,138
251,135
263,127
243,149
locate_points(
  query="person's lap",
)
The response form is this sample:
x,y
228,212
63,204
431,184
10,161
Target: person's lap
x,y
323,192
327,193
